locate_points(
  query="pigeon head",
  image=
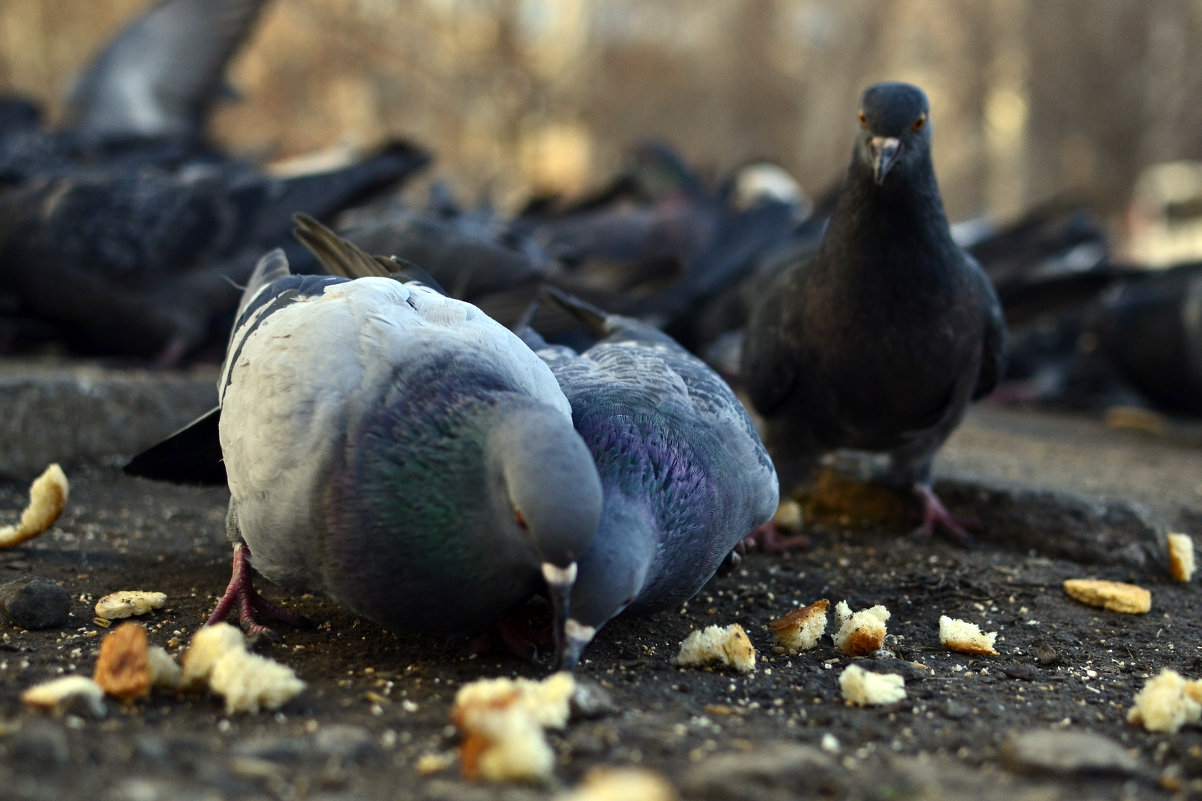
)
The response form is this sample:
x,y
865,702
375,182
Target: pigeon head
x,y
894,127
547,487
615,570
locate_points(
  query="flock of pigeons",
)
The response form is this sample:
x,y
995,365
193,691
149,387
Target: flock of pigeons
x,y
499,408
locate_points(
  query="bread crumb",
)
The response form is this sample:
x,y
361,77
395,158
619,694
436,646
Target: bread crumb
x,y
129,603
727,646
57,694
865,688
217,657
861,633
123,669
1113,595
430,762
164,672
788,516
502,722
207,647
47,499
547,702
801,629
965,637
506,745
1167,702
1181,556
250,682
621,784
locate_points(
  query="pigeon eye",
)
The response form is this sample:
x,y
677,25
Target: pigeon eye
x,y
520,519
921,121
863,120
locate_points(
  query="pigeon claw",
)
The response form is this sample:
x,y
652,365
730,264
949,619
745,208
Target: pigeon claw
x,y
769,539
241,592
935,516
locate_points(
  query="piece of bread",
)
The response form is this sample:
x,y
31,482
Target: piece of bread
x,y
801,629
123,667
217,658
865,688
502,721
47,499
965,637
1113,595
717,645
860,633
129,603
206,649
64,692
1167,702
1181,556
249,682
621,784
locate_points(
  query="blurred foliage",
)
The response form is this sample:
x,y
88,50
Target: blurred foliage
x,y
1031,98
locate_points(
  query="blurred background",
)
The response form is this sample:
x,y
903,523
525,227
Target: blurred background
x,y
1032,99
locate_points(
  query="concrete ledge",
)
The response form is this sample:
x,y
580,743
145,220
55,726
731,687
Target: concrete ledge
x,y
74,412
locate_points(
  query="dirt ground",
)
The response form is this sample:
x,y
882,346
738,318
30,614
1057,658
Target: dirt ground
x,y
1060,497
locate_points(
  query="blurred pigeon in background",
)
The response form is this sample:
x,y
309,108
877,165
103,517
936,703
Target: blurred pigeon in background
x,y
141,263
684,474
144,99
881,339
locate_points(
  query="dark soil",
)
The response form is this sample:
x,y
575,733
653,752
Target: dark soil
x,y
1059,497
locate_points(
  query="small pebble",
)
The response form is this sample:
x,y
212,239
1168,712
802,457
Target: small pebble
x,y
33,602
1067,751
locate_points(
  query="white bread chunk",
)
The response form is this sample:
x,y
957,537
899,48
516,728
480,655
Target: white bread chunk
x,y
801,629
865,688
1181,556
718,645
965,637
859,633
1167,702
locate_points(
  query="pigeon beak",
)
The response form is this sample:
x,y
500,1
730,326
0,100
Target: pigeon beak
x,y
884,150
576,636
559,586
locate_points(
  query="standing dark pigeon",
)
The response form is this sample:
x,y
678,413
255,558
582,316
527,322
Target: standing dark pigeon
x,y
881,339
684,473
396,450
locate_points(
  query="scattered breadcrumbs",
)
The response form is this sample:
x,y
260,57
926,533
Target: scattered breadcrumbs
x,y
501,722
1113,595
965,637
47,499
1167,702
861,633
865,688
717,645
801,629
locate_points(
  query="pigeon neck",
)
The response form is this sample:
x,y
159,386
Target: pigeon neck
x,y
906,206
614,569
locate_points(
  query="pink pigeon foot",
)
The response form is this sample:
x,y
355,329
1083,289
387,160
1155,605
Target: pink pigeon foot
x,y
241,591
936,516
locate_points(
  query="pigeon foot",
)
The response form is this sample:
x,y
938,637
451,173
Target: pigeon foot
x,y
936,516
241,591
769,539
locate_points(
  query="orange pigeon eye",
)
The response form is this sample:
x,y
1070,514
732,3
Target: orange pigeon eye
x,y
520,519
921,121
863,120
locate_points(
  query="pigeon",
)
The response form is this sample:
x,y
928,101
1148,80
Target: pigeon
x,y
141,262
396,450
143,100
161,75
684,474
880,340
